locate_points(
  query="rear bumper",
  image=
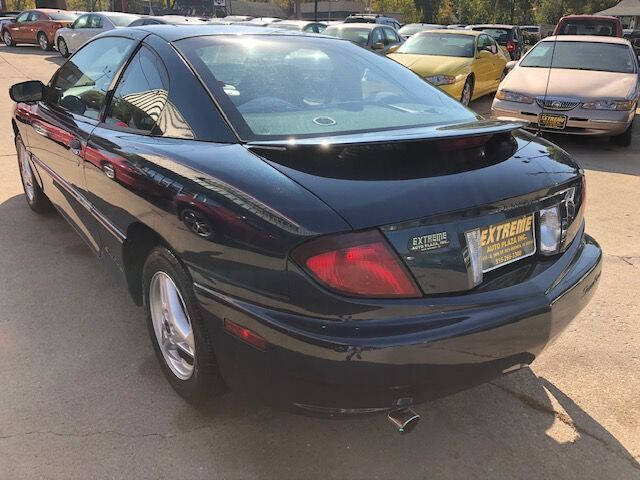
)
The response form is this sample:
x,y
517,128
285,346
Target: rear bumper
x,y
329,374
579,121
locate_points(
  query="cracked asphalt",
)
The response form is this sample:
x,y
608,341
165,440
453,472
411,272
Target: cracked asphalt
x,y
81,395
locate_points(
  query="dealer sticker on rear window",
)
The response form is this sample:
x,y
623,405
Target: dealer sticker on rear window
x,y
507,242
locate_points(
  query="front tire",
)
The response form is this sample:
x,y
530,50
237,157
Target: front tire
x,y
62,47
8,39
624,139
36,199
43,41
467,92
181,340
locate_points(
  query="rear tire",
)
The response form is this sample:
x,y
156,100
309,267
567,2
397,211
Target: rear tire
x,y
467,92
187,361
624,139
62,47
8,39
43,41
36,199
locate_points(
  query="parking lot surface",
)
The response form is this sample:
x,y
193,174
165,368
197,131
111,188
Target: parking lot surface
x,y
83,396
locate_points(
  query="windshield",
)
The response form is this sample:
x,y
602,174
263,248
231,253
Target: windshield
x,y
500,35
359,36
62,16
283,87
444,44
606,57
288,26
122,20
606,28
412,28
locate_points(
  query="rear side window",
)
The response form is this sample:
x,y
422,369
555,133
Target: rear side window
x,y
141,100
95,21
80,86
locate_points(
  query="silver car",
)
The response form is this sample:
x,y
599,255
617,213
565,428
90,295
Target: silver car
x,y
580,85
87,26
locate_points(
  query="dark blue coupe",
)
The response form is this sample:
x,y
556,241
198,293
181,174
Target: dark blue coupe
x,y
304,219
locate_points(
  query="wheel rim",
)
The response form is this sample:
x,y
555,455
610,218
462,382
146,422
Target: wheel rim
x,y
43,41
172,325
27,173
466,94
7,38
62,47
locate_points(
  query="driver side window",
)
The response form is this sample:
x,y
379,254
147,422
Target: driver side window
x,y
81,22
22,17
81,84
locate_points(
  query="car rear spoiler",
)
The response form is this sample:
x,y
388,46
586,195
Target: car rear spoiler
x,y
419,134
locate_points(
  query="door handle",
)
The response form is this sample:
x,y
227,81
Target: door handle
x,y
75,146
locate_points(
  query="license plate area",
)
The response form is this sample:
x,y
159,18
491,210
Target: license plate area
x,y
552,121
507,242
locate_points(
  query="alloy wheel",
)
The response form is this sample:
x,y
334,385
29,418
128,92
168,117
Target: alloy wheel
x,y
27,173
7,39
62,47
43,42
172,325
466,93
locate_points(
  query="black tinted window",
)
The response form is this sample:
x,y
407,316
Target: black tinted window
x,y
81,84
141,100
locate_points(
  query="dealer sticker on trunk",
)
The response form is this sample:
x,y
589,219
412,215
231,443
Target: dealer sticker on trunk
x,y
426,243
507,242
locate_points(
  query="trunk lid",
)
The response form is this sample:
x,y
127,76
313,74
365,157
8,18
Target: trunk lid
x,y
413,186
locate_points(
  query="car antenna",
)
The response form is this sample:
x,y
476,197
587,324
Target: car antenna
x,y
546,88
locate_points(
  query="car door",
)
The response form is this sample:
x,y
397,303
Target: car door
x,y
63,121
483,65
499,64
20,28
73,38
92,29
38,23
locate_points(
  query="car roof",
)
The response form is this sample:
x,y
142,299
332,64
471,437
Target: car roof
x,y
115,14
48,10
449,31
491,25
370,26
172,33
297,22
589,17
586,38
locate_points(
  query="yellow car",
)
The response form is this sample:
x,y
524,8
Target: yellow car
x,y
463,63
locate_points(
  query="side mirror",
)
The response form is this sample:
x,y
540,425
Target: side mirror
x,y
378,46
394,48
27,92
510,65
13,20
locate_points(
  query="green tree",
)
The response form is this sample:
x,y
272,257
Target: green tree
x,y
550,11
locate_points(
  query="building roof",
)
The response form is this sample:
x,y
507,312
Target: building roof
x,y
626,8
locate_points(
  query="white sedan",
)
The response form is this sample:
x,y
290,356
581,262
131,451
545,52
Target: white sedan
x,y
87,26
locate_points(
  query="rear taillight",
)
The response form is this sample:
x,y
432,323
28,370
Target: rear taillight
x,y
357,264
511,46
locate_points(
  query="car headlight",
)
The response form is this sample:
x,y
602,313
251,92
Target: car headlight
x,y
441,79
510,96
624,105
550,230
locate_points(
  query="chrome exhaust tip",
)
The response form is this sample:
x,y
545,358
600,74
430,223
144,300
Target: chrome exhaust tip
x,y
403,419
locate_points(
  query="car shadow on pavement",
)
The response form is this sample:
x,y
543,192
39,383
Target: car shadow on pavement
x,y
50,56
91,377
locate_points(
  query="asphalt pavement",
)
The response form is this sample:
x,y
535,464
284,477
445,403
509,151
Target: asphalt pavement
x,y
82,396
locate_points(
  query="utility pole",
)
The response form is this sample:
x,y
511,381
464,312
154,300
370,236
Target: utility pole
x,y
315,10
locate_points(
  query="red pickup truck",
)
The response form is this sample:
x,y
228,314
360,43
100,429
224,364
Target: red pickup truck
x,y
589,25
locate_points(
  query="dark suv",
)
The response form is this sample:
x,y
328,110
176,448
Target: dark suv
x,y
509,37
373,18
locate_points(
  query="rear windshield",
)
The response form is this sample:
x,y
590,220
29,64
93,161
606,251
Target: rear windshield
x,y
605,57
122,20
282,87
62,16
360,20
606,28
444,44
359,36
501,35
